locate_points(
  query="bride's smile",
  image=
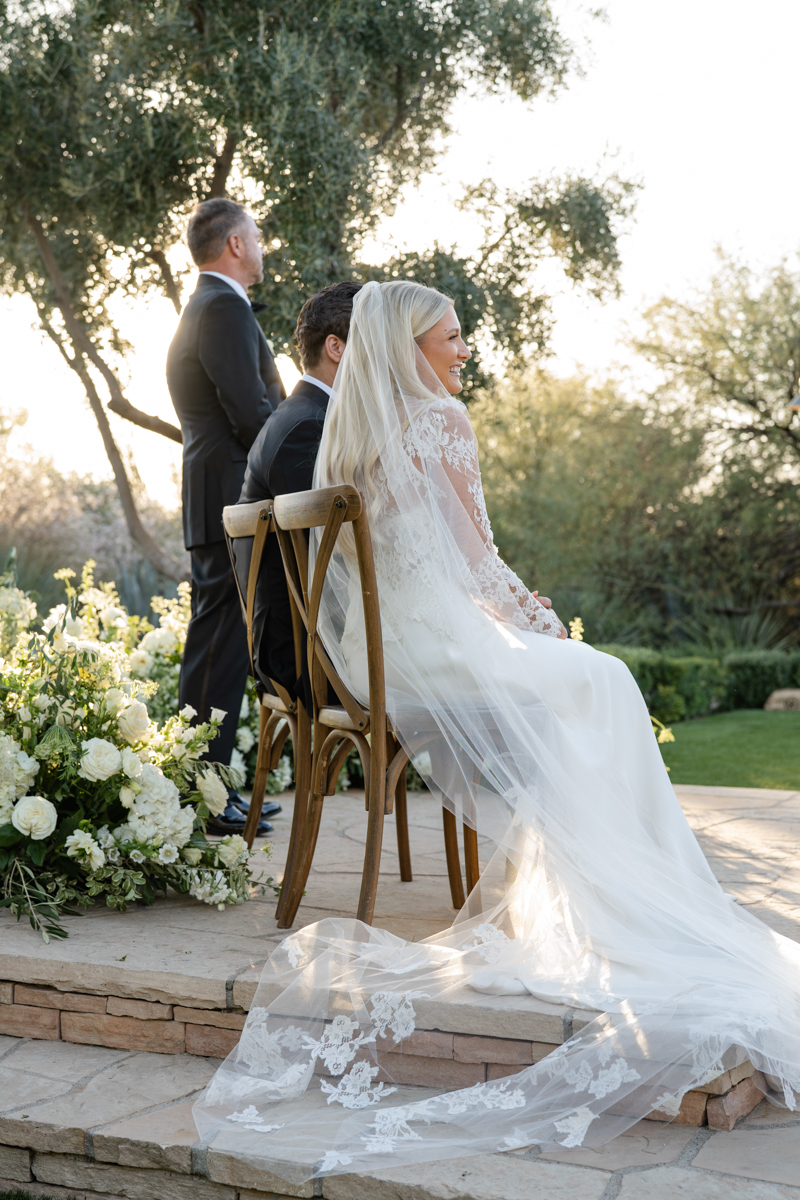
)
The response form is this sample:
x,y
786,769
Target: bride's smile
x,y
446,350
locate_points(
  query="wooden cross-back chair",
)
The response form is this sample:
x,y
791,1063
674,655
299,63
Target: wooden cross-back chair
x,y
279,713
339,727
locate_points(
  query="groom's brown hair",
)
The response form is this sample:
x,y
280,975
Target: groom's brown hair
x,y
326,312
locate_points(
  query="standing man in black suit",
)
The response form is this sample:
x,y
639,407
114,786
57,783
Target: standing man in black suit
x,y
282,460
224,385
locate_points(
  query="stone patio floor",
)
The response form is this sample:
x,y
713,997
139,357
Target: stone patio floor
x,y
135,1108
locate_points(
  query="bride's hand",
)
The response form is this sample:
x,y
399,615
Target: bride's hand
x,y
546,603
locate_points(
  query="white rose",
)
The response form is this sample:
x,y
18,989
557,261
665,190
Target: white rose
x,y
231,849
131,763
134,722
114,699
218,714
213,791
192,855
35,817
100,760
141,663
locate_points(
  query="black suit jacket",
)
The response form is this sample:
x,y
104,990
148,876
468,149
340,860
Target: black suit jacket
x,y
224,384
281,460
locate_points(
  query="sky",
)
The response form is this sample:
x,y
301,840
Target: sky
x,y
695,99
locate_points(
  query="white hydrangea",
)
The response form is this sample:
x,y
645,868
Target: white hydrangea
x,y
161,640
16,606
245,738
17,772
232,850
156,815
82,845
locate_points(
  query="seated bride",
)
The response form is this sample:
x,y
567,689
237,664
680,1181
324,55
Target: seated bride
x,y
597,894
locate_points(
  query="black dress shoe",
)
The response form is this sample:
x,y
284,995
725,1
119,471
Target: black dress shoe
x,y
269,808
232,821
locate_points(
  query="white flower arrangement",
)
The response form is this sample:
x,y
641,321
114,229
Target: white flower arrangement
x,y
121,801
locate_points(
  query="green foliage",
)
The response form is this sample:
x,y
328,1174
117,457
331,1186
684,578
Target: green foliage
x,y
616,509
752,675
115,118
732,355
746,748
674,687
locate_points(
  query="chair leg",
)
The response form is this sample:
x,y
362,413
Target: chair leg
x,y
374,840
301,744
401,818
471,856
453,858
302,865
265,731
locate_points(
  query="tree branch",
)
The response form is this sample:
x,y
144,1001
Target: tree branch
x,y
167,278
162,561
222,168
118,402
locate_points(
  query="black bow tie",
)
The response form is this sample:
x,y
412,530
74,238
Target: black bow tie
x,y
257,308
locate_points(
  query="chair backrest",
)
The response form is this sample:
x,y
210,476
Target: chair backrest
x,y
330,508
255,521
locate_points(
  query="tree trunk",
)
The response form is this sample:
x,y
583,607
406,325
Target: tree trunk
x,y
222,168
167,278
83,344
162,561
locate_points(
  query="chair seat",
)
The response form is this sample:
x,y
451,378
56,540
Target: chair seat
x,y
337,717
275,703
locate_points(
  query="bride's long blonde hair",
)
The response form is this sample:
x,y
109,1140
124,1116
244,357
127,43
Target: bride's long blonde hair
x,y
357,428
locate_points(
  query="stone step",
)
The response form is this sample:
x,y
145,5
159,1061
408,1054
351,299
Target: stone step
x,y
449,1050
95,1123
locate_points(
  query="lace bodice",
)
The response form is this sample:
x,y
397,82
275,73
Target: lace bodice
x,y
441,435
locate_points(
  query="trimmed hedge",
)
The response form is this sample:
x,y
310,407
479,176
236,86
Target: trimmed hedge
x,y
676,687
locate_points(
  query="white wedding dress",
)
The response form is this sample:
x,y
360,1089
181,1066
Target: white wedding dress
x,y
597,894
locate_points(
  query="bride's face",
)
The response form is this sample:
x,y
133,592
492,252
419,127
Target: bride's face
x,y
446,350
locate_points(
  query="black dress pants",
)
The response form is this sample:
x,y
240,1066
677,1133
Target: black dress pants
x,y
215,661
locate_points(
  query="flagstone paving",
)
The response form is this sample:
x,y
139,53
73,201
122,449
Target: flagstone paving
x,y
103,1123
95,1122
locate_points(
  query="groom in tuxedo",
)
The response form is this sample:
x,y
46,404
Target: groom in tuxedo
x,y
224,386
282,460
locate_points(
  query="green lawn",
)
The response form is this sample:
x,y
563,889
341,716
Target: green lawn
x,y
745,748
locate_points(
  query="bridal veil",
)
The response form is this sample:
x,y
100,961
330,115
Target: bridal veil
x,y
596,893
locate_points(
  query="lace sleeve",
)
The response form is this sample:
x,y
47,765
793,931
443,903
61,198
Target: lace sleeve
x,y
443,434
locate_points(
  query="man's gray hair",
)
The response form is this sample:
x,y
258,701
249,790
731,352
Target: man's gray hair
x,y
212,223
